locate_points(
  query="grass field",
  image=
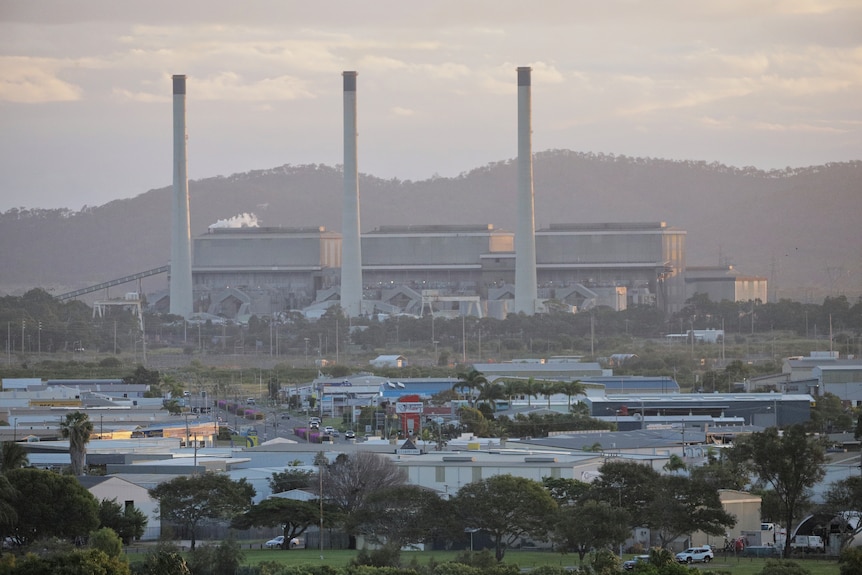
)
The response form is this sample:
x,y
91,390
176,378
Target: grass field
x,y
524,560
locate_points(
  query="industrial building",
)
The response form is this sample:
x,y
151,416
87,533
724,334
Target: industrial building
x,y
464,269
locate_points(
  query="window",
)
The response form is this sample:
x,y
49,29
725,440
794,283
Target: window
x,y
439,473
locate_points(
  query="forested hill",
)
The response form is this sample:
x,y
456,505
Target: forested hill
x,y
800,226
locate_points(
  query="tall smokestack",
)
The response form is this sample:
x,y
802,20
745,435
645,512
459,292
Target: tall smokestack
x,y
351,249
181,241
526,287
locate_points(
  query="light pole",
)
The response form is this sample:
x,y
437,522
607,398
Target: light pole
x,y
306,351
471,531
14,429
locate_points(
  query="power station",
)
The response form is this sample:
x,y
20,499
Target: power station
x,y
439,269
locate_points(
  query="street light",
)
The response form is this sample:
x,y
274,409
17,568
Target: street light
x,y
471,531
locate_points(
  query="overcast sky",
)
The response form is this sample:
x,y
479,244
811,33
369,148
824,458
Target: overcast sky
x,y
85,90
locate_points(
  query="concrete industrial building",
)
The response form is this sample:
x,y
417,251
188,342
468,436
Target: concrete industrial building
x,y
724,283
239,271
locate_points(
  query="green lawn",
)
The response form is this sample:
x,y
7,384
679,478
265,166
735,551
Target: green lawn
x,y
524,559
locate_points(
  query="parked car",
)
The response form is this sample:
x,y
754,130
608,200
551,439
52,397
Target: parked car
x,y
696,555
630,564
762,551
275,542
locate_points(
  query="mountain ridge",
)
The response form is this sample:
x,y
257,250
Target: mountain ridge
x,y
797,226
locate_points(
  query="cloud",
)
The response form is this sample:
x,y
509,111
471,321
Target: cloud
x,y
35,80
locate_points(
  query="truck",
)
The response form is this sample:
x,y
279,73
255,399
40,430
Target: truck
x,y
808,543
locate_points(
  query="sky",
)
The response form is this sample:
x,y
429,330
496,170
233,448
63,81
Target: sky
x,y
85,86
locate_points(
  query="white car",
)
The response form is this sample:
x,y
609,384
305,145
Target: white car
x,y
328,429
695,555
275,542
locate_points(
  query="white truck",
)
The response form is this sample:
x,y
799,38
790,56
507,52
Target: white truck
x,y
808,543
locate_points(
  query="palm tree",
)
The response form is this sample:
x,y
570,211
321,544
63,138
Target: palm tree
x,y
571,389
549,388
472,380
530,389
77,428
12,456
490,392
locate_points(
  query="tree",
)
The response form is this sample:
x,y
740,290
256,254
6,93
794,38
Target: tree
x,y
474,420
12,456
129,522
470,381
571,389
681,505
628,485
791,463
566,491
188,500
75,561
165,560
106,540
8,514
223,558
829,415
77,428
350,480
290,479
294,517
49,504
507,508
396,517
843,498
721,473
590,525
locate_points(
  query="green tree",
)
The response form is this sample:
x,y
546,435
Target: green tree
x,y
290,479
106,540
8,514
566,491
628,485
507,508
51,505
12,456
721,473
572,389
77,428
129,522
294,517
474,421
470,382
187,500
77,561
791,463
223,558
829,415
681,505
403,515
590,525
841,500
165,559
143,376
